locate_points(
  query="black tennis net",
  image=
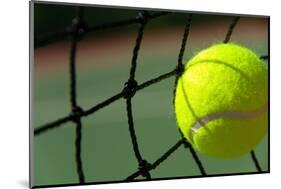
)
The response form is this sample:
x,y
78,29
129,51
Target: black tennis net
x,y
78,28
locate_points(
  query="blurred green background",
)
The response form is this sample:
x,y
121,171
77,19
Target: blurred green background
x,y
103,62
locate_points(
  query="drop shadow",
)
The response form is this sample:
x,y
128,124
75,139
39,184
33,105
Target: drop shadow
x,y
24,183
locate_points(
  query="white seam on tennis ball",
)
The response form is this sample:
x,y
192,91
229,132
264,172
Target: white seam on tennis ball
x,y
231,114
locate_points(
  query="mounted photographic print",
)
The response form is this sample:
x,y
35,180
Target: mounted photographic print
x,y
122,94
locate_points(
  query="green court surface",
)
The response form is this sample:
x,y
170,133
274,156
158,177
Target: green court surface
x,y
107,152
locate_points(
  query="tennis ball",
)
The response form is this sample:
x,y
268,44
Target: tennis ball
x,y
221,101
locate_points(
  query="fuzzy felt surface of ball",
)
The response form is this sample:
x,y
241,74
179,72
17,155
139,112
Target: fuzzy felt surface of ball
x,y
221,101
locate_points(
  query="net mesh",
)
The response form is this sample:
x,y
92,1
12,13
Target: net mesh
x,y
131,86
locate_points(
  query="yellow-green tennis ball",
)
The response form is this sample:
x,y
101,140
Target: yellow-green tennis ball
x,y
221,101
